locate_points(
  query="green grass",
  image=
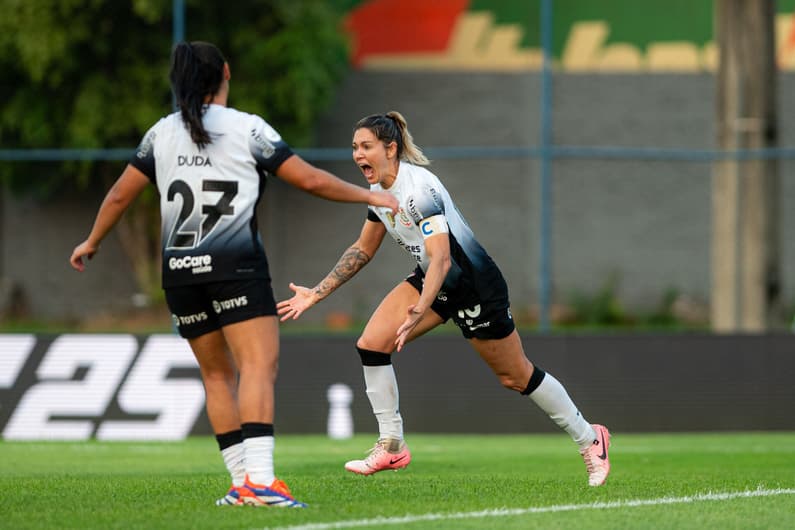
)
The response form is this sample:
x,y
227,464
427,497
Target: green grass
x,y
173,485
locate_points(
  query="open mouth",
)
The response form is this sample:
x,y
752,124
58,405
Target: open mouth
x,y
367,170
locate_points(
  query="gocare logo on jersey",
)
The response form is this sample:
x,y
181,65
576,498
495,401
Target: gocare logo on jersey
x,y
194,160
197,264
232,303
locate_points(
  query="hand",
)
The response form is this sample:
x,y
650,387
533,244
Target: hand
x,y
293,308
84,249
412,319
384,199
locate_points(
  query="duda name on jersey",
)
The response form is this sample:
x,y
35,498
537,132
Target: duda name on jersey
x,y
193,160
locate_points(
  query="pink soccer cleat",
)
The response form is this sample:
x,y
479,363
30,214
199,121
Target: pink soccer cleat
x,y
596,460
385,454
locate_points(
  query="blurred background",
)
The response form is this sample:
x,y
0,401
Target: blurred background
x,y
628,181
629,165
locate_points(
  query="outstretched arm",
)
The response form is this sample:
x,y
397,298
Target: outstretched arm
x,y
352,261
129,185
303,175
438,249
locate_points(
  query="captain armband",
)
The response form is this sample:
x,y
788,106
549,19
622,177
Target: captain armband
x,y
436,224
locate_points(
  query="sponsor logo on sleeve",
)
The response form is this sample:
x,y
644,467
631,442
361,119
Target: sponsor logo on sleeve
x,y
437,200
263,143
146,145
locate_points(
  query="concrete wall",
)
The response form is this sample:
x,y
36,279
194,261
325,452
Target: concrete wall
x,y
645,223
37,240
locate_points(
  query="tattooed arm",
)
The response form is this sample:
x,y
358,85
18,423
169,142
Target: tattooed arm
x,y
353,259
348,265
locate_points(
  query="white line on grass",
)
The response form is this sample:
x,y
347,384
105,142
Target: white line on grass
x,y
503,512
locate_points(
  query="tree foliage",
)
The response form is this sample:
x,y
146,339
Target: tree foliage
x,y
94,74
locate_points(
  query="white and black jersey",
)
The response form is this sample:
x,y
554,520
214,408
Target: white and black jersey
x,y
208,197
426,209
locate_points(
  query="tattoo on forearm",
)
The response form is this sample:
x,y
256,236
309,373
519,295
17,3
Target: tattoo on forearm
x,y
348,265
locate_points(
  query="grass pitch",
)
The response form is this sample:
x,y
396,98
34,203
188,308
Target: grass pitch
x,y
717,480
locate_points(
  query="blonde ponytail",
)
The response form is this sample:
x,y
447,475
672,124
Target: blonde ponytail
x,y
411,153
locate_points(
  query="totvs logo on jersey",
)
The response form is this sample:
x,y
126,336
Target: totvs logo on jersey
x,y
111,387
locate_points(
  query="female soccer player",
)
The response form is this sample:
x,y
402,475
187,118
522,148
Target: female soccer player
x,y
455,278
209,163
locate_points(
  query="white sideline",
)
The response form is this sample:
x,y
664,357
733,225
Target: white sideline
x,y
502,512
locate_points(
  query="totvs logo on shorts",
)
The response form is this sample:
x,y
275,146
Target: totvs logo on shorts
x,y
225,305
180,320
197,264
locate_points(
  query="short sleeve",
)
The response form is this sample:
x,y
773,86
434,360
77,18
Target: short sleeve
x,y
144,157
372,216
424,203
267,147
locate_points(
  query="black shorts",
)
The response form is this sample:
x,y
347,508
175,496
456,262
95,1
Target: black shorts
x,y
205,307
478,319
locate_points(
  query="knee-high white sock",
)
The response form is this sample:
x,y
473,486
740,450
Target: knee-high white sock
x,y
259,459
235,460
553,399
382,391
